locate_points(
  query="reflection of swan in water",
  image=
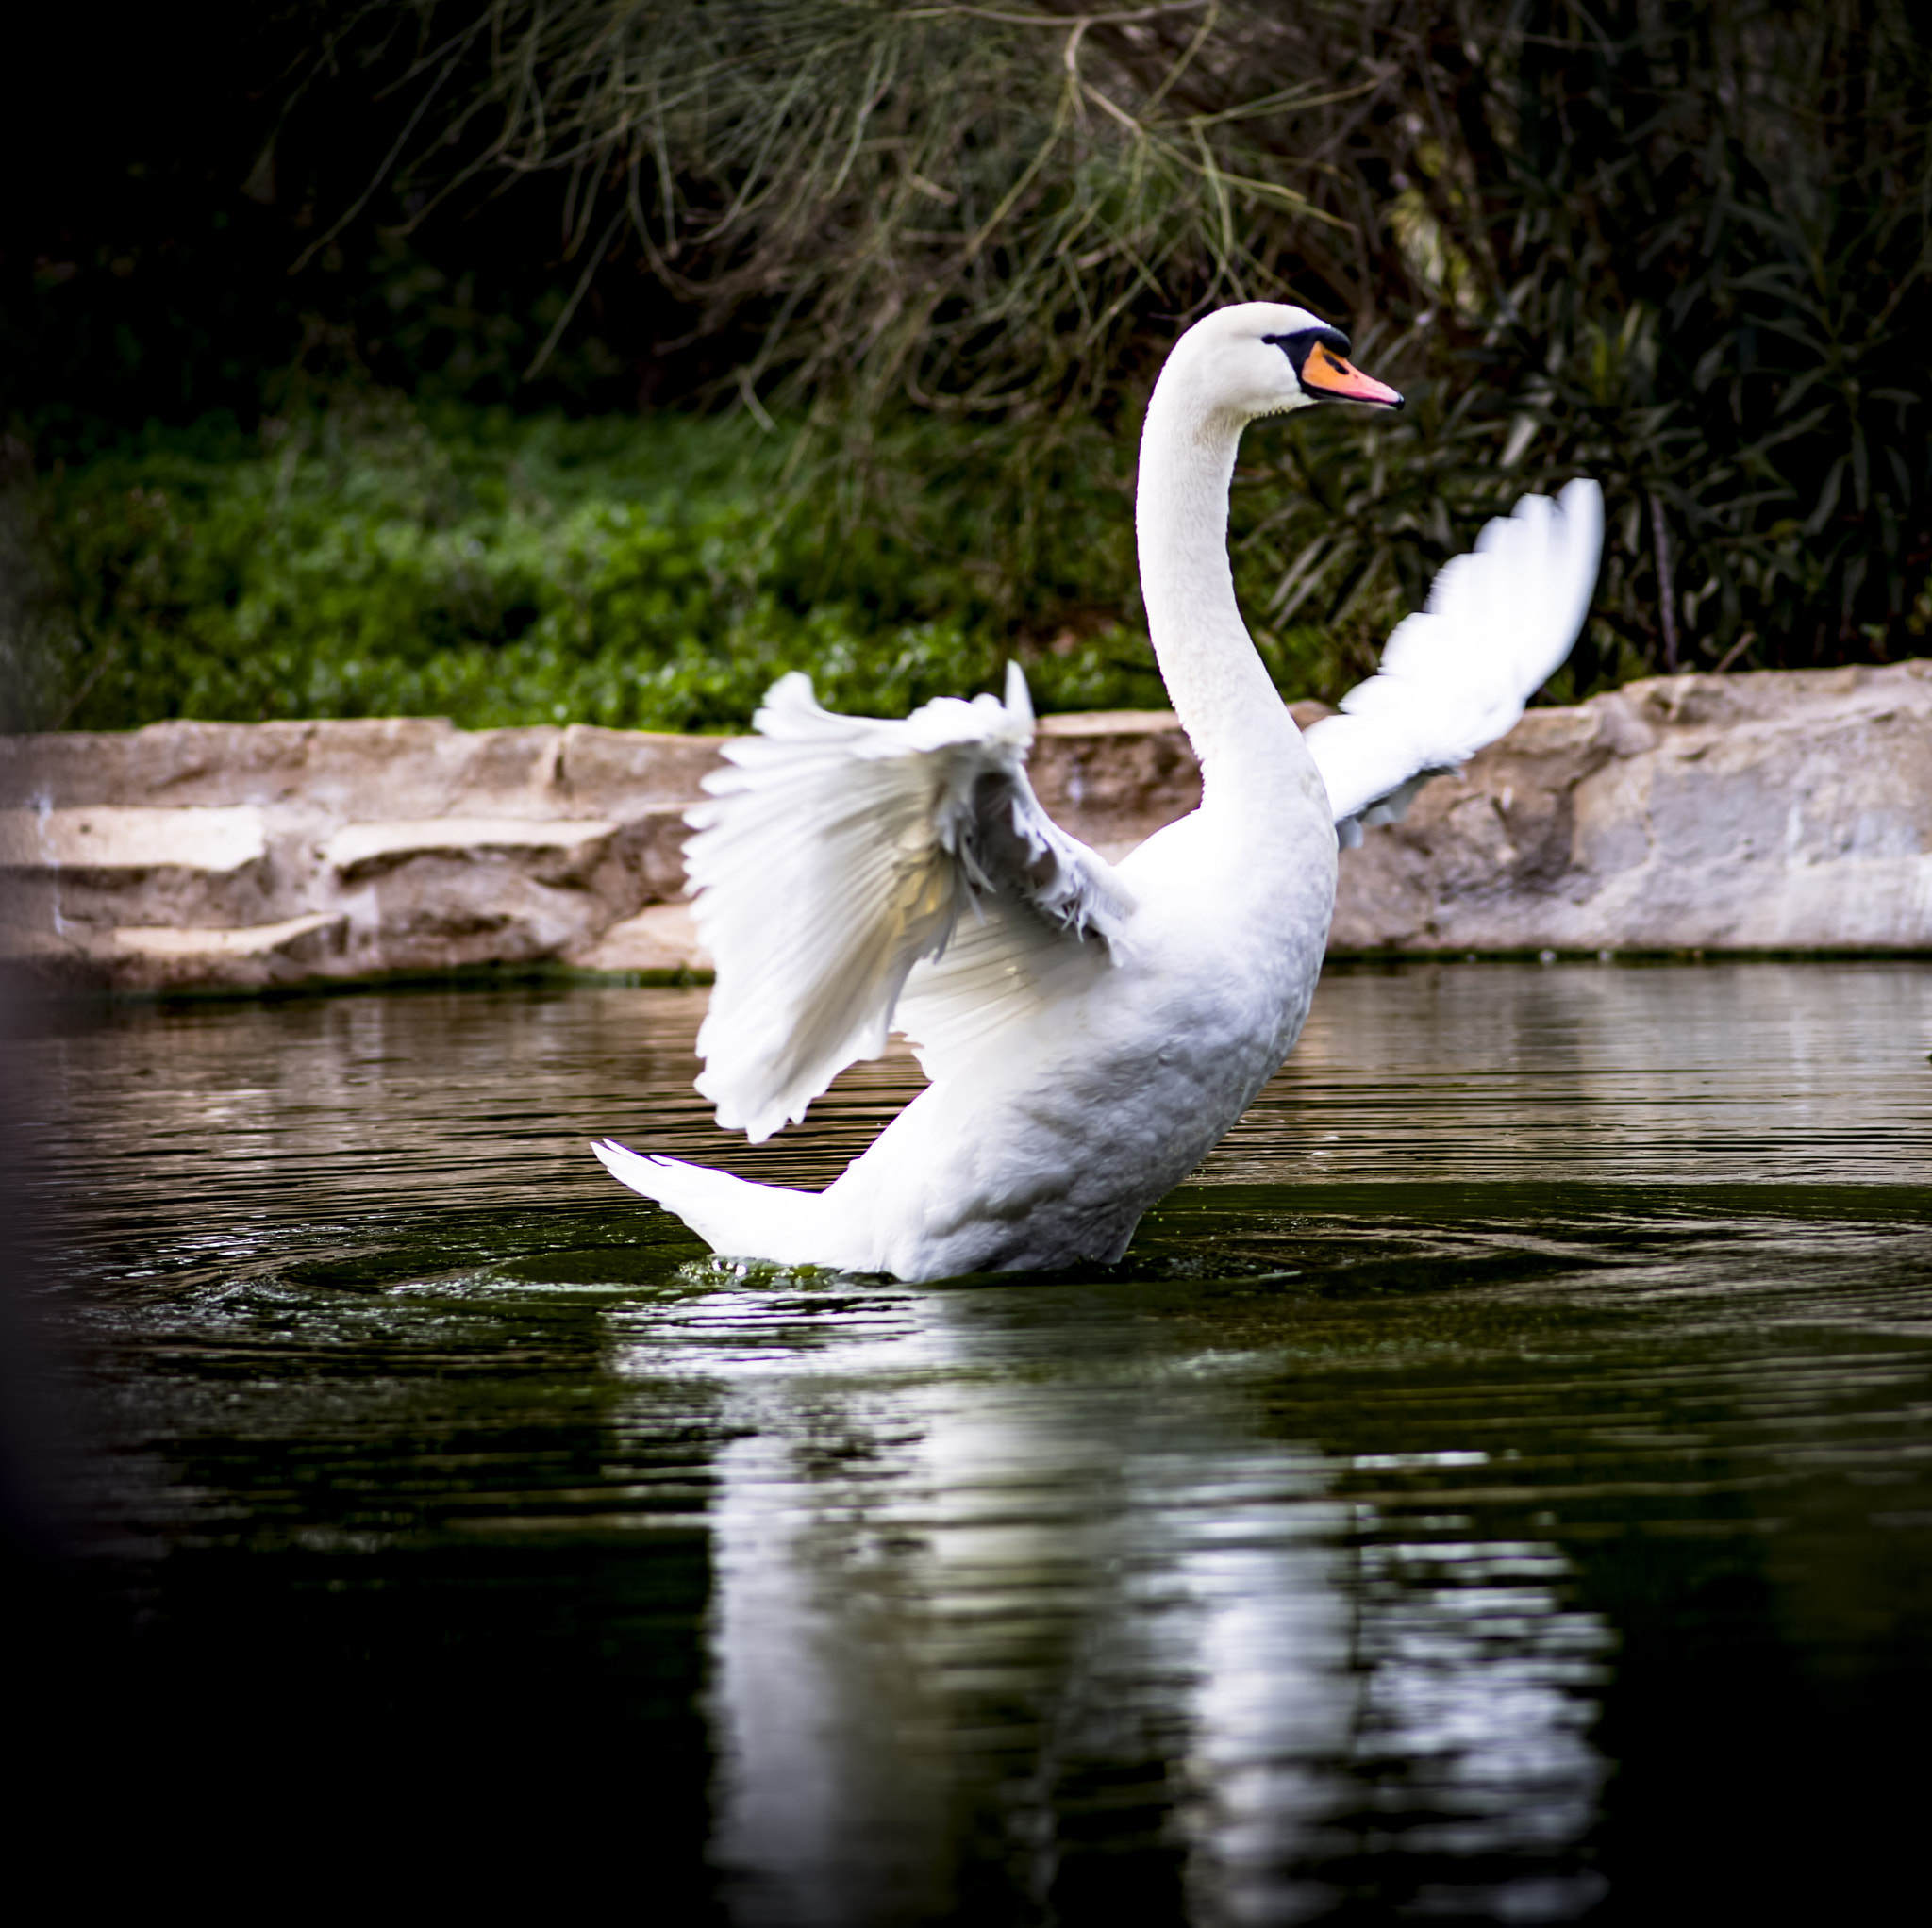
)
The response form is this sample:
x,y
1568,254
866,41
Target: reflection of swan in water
x,y
1091,1030
977,1634
919,1678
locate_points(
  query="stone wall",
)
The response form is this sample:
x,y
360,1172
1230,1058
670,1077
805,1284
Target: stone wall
x,y
1789,811
1773,811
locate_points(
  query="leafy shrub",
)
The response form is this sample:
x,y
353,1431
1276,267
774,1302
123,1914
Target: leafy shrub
x,y
1683,246
649,575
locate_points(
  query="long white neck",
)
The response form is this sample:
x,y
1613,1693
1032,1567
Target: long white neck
x,y
1249,747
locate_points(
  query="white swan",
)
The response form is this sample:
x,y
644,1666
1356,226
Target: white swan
x,y
1089,1030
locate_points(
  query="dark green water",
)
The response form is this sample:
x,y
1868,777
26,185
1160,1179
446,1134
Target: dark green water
x,y
1499,1488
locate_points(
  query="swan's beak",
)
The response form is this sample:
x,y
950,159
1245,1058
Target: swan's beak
x,y
1326,376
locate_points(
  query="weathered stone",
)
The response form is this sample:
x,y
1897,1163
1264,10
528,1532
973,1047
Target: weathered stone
x,y
570,848
112,839
1789,811
658,941
1113,776
161,958
431,848
257,958
389,767
1771,811
622,772
84,867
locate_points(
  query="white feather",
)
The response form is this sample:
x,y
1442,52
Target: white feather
x,y
836,853
1003,968
720,1207
1456,676
1090,1032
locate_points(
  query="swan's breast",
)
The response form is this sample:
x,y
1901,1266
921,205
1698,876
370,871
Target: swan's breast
x,y
1072,1123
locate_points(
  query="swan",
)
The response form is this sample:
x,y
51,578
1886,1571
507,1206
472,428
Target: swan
x,y
1089,1030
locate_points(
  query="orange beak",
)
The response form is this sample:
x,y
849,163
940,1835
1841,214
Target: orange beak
x,y
1325,374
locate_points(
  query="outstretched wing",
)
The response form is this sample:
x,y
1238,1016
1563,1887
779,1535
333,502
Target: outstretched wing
x,y
837,852
1456,676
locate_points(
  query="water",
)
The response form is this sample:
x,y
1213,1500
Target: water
x,y
1498,1487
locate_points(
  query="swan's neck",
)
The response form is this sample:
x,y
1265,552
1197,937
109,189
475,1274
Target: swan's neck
x,y
1241,729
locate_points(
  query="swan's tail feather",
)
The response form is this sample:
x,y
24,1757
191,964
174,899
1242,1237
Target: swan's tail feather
x,y
731,1215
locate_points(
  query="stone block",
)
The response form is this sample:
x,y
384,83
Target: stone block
x,y
1114,777
255,957
103,864
626,772
1783,811
107,840
1768,812
661,940
559,852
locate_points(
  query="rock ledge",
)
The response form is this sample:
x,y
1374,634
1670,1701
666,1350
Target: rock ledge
x,y
1773,811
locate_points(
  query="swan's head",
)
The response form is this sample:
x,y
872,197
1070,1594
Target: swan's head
x,y
1261,357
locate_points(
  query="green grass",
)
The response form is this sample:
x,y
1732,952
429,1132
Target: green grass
x,y
653,573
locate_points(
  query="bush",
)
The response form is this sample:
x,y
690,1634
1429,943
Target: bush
x,y
645,574
1683,246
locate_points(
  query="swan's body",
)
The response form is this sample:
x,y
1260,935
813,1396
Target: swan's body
x,y
1091,1030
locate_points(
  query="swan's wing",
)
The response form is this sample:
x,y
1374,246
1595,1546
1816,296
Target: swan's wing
x,y
837,852
1456,676
1004,966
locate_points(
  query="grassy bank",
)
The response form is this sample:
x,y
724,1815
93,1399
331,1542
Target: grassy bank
x,y
644,573
381,555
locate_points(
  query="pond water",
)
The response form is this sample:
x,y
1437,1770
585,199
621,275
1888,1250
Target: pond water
x,y
1498,1487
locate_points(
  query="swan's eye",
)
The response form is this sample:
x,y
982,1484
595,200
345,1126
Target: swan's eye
x,y
1298,345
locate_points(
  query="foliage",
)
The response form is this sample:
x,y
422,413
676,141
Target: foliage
x,y
1707,235
505,570
939,248
954,200
1683,246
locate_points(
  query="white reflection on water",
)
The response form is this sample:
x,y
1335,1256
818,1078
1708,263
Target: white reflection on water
x,y
971,1625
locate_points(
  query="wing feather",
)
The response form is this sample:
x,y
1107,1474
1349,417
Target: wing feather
x,y
836,853
1003,967
1456,676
